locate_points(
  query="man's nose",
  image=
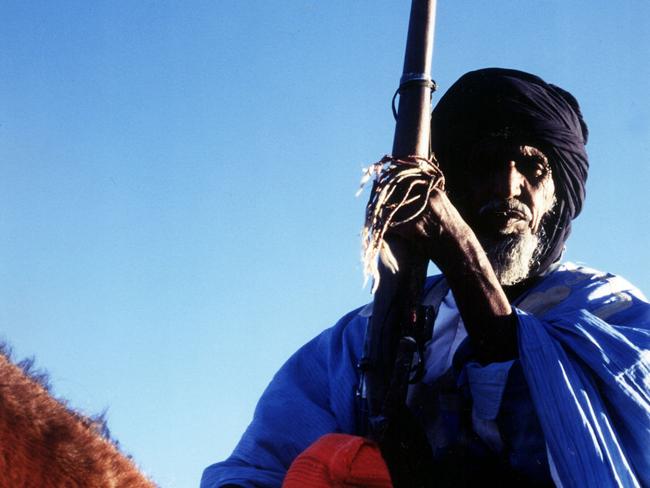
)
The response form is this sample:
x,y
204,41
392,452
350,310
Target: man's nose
x,y
508,181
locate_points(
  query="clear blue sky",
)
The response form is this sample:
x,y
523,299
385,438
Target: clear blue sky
x,y
177,210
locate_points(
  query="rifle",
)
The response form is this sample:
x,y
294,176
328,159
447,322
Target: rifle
x,y
397,327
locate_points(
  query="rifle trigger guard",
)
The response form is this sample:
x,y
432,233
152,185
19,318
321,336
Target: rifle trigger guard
x,y
417,370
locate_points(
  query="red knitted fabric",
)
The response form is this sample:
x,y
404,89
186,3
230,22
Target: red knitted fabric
x,y
340,461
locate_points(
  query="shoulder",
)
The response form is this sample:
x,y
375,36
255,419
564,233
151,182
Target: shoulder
x,y
343,342
573,287
595,281
333,352
347,334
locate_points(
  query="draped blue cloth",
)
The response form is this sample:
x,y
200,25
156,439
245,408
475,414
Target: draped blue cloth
x,y
587,364
584,348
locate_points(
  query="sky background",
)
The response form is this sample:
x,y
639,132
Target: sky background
x,y
177,210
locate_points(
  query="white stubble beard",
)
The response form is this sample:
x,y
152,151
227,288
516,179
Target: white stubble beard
x,y
514,256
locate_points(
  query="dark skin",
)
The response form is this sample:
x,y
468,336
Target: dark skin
x,y
447,235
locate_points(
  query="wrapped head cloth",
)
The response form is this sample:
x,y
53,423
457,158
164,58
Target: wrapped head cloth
x,y
523,108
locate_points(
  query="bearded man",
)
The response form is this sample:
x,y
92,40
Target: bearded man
x,y
537,372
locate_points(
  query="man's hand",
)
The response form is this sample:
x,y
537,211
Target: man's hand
x,y
444,237
440,231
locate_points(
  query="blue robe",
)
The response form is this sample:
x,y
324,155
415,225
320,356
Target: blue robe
x,y
584,355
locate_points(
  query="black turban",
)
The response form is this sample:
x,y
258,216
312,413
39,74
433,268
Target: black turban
x,y
495,102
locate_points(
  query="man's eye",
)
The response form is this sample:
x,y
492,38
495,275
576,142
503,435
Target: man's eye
x,y
534,168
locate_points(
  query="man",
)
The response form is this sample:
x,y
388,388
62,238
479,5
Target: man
x,y
537,372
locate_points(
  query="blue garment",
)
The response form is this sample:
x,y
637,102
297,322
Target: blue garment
x,y
580,390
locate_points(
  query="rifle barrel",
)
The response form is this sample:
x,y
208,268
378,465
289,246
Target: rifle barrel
x,y
412,130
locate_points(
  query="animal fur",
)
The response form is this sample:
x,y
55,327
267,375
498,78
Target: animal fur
x,y
44,444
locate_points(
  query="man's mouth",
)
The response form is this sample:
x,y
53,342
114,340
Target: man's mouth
x,y
510,214
500,215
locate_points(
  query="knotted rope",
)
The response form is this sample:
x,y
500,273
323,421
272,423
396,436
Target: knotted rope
x,y
400,193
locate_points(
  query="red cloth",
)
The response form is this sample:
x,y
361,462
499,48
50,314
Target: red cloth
x,y
340,461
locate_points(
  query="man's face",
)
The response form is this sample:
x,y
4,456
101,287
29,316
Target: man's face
x,y
509,191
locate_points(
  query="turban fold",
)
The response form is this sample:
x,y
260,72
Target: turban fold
x,y
496,102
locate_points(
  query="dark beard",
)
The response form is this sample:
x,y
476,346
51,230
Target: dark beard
x,y
514,257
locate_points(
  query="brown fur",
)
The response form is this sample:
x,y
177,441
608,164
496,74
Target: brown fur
x,y
43,444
